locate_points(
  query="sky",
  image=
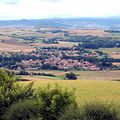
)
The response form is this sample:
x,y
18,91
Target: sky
x,y
39,9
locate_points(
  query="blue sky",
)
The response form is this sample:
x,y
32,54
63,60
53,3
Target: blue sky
x,y
38,9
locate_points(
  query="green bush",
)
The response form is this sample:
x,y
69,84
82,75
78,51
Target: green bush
x,y
24,110
47,104
11,92
71,76
72,113
54,101
91,111
17,102
100,111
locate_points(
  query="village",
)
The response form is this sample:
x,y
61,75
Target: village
x,y
54,59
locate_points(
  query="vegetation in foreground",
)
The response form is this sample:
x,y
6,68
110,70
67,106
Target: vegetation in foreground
x,y
91,111
25,103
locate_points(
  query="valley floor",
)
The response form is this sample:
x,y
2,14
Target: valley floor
x,y
87,90
82,75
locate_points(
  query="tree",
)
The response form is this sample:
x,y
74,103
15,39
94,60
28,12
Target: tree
x,y
11,92
19,102
71,76
54,101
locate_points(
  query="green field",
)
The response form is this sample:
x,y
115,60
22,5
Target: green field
x,y
87,90
82,75
109,50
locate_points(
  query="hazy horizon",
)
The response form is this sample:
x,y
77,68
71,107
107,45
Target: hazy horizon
x,y
45,9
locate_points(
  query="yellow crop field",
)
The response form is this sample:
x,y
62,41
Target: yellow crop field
x,y
87,90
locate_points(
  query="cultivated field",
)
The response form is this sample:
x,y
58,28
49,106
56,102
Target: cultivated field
x,y
94,32
112,52
82,75
15,48
116,63
90,86
103,86
61,44
87,90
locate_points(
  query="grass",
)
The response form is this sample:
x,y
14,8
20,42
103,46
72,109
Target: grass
x,y
82,75
109,50
112,52
87,90
15,48
61,44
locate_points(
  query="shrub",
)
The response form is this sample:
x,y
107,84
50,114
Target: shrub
x,y
91,111
24,110
47,104
23,72
71,76
100,111
54,101
19,102
72,113
11,92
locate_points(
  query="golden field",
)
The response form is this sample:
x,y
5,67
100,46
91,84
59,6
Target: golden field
x,y
87,90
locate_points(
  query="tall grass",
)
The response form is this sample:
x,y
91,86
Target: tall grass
x,y
92,111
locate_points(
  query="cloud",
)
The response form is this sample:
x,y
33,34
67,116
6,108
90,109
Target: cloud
x,y
50,0
11,2
37,9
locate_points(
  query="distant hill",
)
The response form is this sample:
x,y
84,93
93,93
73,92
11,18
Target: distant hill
x,y
82,23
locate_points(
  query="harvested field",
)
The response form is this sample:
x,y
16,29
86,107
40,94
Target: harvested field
x,y
61,44
94,32
113,52
14,48
115,55
116,63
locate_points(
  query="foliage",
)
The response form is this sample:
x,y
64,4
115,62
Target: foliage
x,y
19,102
47,105
91,111
95,42
100,111
11,92
23,72
43,74
54,101
24,110
72,113
71,76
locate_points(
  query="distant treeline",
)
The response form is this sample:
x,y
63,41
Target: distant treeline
x,y
95,42
23,72
112,31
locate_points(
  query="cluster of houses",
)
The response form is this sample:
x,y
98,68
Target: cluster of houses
x,y
55,59
69,64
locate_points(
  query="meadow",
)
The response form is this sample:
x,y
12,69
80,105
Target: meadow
x,y
103,86
87,90
82,75
91,85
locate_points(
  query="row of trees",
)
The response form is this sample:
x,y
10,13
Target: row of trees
x,y
69,76
101,44
23,72
95,42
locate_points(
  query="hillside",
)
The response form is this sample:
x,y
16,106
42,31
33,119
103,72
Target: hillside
x,y
81,23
